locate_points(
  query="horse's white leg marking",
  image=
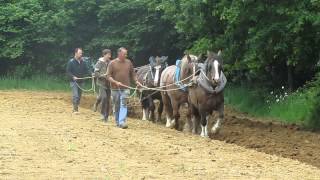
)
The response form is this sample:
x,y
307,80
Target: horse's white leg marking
x,y
216,75
168,122
172,123
215,129
204,131
144,117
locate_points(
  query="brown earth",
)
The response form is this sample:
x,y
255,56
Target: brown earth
x,y
41,139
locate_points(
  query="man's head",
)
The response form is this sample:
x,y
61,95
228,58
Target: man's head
x,y
78,53
122,53
106,53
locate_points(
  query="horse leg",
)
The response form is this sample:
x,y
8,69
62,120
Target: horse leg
x,y
195,120
144,110
144,105
167,107
187,125
216,128
204,124
160,110
176,115
145,114
151,109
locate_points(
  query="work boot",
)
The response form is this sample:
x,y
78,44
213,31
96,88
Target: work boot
x,y
104,118
75,110
123,126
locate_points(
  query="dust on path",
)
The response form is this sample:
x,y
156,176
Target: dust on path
x,y
40,139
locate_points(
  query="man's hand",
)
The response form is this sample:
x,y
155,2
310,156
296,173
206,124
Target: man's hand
x,y
93,74
138,84
119,84
75,78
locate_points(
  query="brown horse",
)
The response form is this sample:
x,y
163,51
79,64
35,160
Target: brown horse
x,y
149,76
173,95
207,95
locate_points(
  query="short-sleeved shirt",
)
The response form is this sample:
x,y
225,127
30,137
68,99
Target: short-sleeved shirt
x,y
121,71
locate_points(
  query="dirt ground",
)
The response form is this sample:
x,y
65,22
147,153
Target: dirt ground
x,y
41,139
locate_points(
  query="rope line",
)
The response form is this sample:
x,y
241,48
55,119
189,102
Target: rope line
x,y
143,87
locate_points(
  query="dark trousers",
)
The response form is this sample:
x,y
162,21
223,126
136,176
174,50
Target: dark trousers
x,y
104,98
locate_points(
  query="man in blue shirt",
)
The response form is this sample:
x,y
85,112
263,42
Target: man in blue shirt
x,y
77,69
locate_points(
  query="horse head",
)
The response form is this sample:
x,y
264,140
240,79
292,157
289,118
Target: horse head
x,y
188,65
158,64
214,68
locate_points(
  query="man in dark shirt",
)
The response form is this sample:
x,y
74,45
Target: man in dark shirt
x,y
120,71
100,71
76,68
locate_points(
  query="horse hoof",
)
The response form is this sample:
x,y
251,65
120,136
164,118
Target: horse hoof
x,y
204,135
186,130
215,130
172,124
168,125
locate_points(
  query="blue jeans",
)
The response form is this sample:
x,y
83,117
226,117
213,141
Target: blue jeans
x,y
76,94
119,98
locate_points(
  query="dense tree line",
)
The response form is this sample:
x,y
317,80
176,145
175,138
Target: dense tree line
x,y
269,42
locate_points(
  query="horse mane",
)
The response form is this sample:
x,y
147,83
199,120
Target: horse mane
x,y
185,60
185,68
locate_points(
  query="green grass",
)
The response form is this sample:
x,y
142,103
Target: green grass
x,y
36,83
294,108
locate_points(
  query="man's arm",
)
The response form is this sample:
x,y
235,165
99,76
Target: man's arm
x,y
69,71
97,70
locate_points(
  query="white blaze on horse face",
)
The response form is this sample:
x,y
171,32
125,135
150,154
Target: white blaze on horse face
x,y
216,69
156,77
193,71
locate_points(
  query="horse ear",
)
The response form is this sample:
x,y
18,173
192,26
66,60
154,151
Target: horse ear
x,y
189,58
164,59
209,54
201,58
220,59
151,60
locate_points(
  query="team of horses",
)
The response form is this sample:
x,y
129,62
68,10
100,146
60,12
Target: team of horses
x,y
197,85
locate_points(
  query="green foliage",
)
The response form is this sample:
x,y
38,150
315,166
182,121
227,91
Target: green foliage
x,y
31,32
292,108
260,39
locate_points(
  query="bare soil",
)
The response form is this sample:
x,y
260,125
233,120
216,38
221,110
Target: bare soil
x,y
41,139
